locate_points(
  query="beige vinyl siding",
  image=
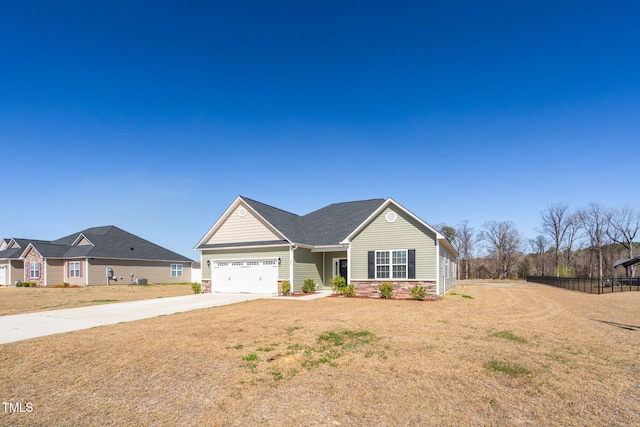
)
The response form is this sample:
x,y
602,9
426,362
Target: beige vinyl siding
x,y
17,271
55,272
153,271
404,233
80,281
83,242
328,266
253,253
237,229
308,265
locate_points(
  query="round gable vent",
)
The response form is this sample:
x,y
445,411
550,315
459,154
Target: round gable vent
x,y
391,216
242,212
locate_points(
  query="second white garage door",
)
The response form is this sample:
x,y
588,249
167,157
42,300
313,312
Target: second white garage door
x,y
251,276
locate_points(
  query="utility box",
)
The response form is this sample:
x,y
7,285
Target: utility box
x,y
141,281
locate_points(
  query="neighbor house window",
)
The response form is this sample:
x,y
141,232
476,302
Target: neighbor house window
x,y
391,264
34,270
176,270
74,269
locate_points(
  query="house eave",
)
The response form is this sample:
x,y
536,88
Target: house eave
x,y
226,248
330,248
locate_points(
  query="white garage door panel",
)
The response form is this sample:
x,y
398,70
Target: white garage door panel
x,y
252,276
3,275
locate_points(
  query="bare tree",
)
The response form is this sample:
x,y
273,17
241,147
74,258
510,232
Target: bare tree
x,y
594,220
623,228
555,220
571,235
466,241
503,244
540,246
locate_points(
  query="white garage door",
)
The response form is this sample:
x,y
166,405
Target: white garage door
x,y
251,276
3,275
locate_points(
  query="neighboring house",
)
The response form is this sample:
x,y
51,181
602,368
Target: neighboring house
x,y
253,247
83,258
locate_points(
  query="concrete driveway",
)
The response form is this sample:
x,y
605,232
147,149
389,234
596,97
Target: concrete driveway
x,y
20,327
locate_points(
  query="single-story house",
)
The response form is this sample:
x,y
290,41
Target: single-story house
x,y
254,247
87,257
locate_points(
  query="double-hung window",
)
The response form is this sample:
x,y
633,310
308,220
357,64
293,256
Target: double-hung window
x,y
74,269
391,264
176,270
34,270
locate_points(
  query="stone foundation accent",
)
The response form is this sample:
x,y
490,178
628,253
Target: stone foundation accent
x,y
401,290
206,286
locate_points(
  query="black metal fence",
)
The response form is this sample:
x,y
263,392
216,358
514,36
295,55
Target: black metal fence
x,y
608,285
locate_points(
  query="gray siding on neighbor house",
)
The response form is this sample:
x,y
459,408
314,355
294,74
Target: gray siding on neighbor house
x,y
247,228
404,233
308,265
328,266
249,253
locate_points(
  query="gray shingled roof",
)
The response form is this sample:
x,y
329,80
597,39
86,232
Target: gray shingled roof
x,y
326,226
108,242
14,253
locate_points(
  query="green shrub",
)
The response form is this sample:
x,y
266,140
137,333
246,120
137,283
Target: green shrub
x,y
62,285
26,284
418,293
348,290
337,283
197,288
308,286
386,290
286,287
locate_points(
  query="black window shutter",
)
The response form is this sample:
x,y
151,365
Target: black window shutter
x,y
372,265
411,269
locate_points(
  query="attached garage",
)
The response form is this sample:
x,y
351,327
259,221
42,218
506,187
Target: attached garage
x,y
258,276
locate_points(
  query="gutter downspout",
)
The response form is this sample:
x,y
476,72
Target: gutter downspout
x,y
291,261
438,268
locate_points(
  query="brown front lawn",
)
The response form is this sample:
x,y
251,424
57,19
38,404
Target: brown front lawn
x,y
490,354
27,300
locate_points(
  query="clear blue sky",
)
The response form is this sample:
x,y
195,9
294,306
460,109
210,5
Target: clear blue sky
x,y
154,116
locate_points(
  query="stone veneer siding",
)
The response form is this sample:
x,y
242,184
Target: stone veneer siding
x,y
33,256
206,286
401,290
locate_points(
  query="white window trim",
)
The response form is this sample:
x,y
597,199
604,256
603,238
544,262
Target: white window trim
x,y
31,264
178,270
391,264
72,270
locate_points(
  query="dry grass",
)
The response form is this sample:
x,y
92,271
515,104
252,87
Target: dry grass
x,y
515,354
26,300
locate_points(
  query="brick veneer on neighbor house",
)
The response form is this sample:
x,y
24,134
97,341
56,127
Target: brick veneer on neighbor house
x,y
401,290
33,256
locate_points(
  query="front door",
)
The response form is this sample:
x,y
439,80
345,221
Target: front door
x,y
342,268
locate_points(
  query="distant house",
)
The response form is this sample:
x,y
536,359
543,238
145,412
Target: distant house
x,y
253,247
83,258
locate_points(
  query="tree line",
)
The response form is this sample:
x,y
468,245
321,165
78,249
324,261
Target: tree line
x,y
571,243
